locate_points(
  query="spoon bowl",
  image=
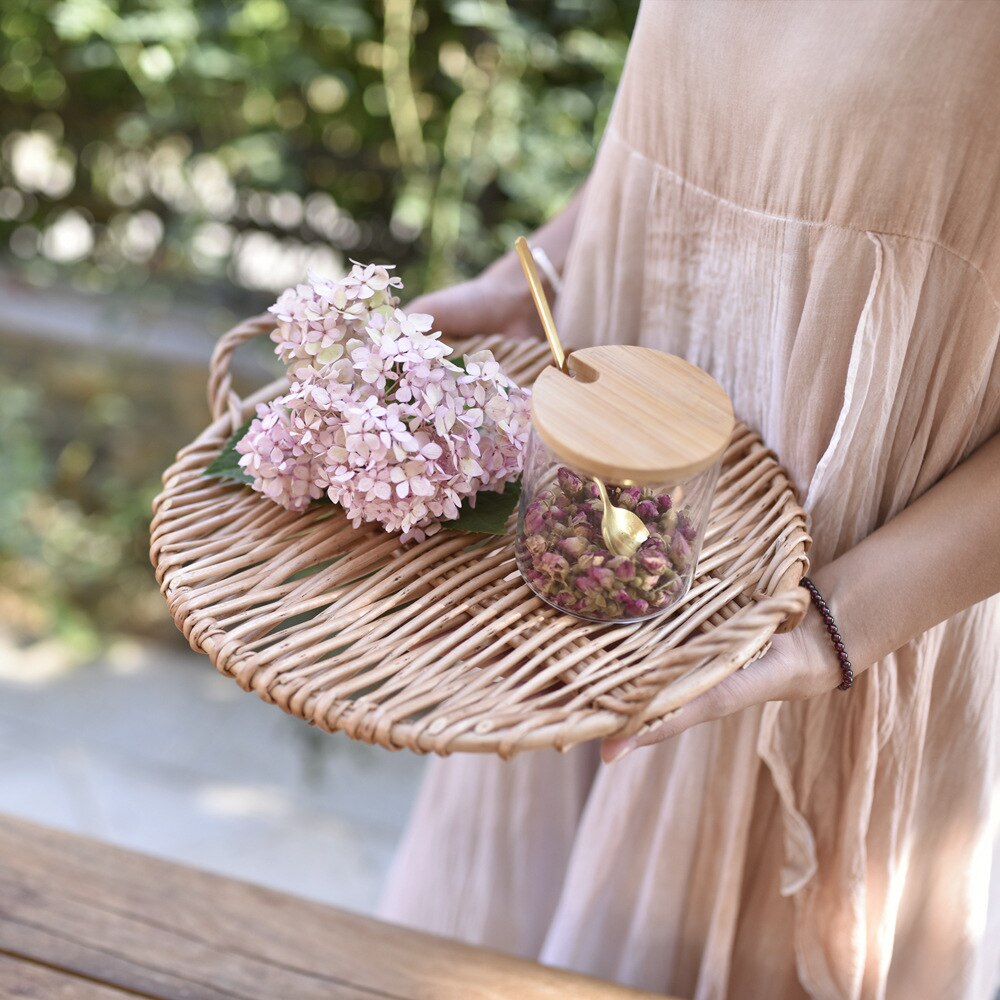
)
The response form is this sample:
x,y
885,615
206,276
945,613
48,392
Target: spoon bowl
x,y
622,530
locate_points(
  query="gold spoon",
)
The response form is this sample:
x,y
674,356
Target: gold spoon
x,y
622,530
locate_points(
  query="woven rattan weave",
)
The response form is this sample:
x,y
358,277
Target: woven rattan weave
x,y
439,646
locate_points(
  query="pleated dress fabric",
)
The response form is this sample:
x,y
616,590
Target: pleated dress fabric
x,y
803,198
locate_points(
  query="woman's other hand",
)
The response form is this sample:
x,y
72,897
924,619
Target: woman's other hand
x,y
497,301
800,664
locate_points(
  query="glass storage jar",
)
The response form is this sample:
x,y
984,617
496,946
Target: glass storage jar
x,y
652,428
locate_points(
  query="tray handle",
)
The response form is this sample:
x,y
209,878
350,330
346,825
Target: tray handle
x,y
222,399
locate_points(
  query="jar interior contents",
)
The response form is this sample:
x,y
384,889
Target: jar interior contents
x,y
562,555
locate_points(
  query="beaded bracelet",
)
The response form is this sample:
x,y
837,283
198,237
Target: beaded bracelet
x,y
838,643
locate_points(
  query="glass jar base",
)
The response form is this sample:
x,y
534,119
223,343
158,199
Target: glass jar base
x,y
615,620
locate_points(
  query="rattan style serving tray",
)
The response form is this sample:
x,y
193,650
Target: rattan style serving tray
x,y
438,646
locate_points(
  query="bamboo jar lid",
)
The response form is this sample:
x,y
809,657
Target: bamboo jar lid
x,y
632,415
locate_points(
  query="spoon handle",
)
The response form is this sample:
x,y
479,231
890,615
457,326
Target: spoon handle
x,y
602,492
541,302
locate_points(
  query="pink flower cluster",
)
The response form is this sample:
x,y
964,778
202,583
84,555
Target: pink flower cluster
x,y
376,416
316,320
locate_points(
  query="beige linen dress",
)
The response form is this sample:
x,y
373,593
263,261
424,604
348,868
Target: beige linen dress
x,y
802,198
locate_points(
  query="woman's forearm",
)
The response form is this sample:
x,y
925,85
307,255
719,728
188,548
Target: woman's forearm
x,y
938,556
554,238
498,300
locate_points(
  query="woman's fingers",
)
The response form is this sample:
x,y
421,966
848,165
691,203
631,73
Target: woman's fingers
x,y
465,310
477,308
762,681
799,664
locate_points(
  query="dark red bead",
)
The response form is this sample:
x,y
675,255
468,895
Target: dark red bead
x,y
847,674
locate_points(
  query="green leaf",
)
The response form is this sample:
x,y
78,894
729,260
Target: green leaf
x,y
227,463
489,516
459,361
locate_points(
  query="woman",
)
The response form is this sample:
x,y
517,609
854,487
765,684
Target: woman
x,y
802,199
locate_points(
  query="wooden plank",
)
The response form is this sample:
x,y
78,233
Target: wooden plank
x,y
92,937
107,962
173,933
27,981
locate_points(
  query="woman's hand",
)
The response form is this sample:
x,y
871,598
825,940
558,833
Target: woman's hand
x,y
800,664
497,301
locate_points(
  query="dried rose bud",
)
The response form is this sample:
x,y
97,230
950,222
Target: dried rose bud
x,y
635,606
680,551
664,502
652,561
628,497
595,557
654,543
573,547
535,544
570,482
534,520
647,510
553,563
624,568
586,583
686,526
604,577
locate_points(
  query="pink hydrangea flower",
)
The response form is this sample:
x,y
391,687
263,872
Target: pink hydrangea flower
x,y
277,453
316,319
376,416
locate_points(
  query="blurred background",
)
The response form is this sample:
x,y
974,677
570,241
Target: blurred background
x,y
167,167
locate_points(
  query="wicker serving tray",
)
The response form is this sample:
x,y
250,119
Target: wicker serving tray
x,y
439,646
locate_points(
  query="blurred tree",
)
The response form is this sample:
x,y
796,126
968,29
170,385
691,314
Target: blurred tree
x,y
73,517
214,151
234,145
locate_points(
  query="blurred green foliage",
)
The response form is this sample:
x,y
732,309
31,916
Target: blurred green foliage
x,y
236,145
73,521
211,151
